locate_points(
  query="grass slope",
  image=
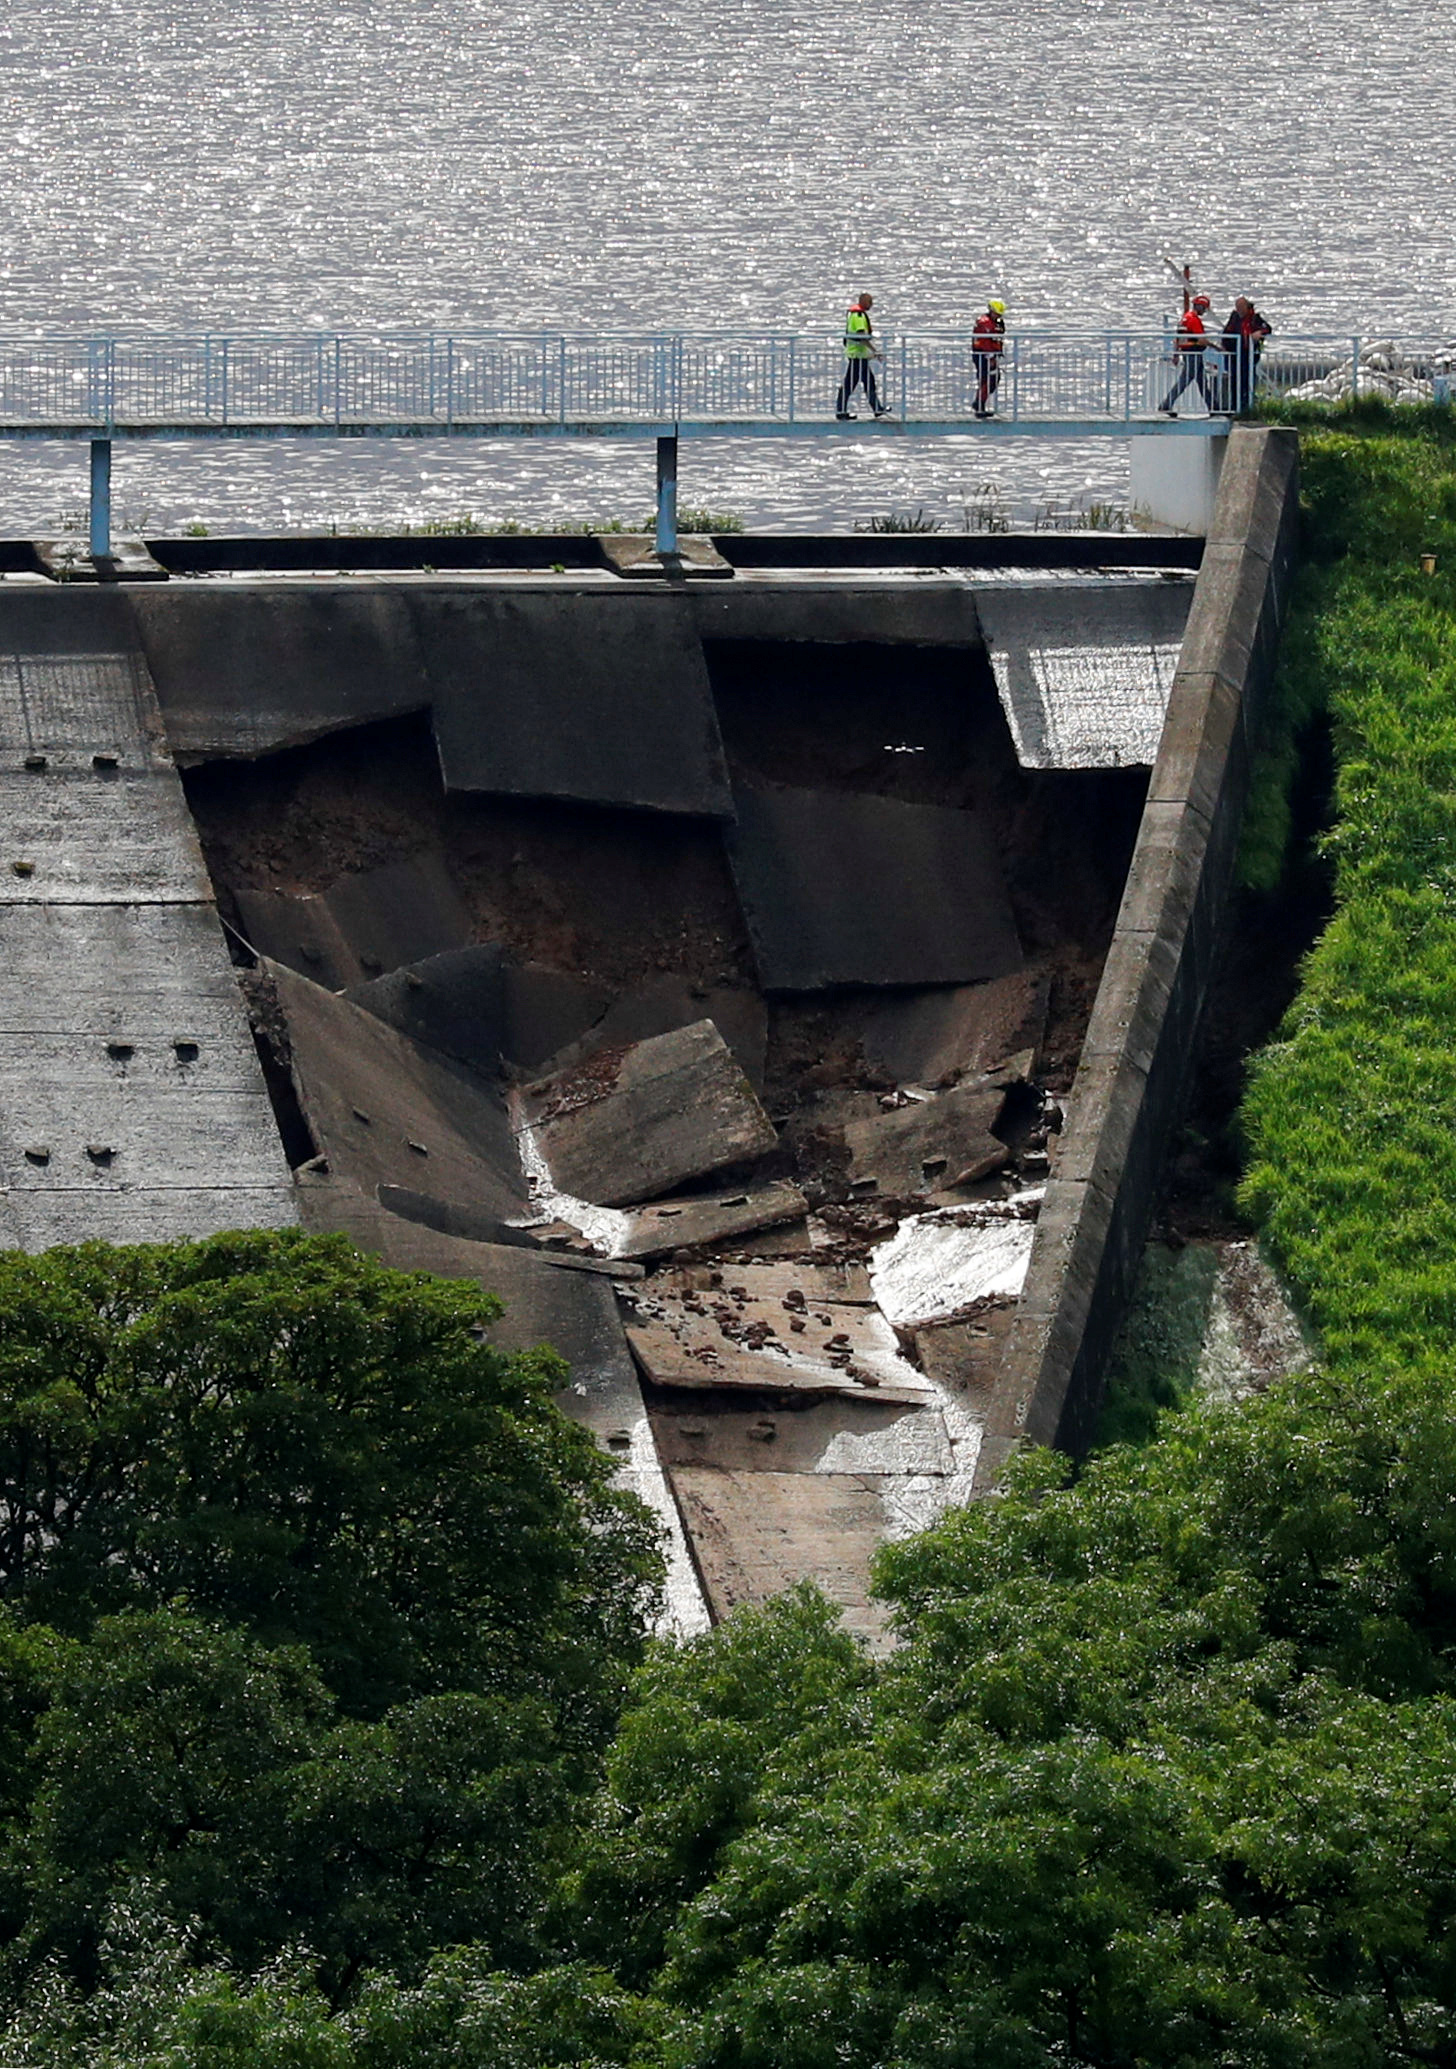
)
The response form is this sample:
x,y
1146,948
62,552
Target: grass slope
x,y
1351,1115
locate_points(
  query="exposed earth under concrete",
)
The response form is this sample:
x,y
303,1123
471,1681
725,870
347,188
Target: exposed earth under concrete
x,y
808,1312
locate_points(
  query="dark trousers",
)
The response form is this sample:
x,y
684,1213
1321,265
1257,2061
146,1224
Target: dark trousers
x,y
858,373
988,379
1243,366
1190,375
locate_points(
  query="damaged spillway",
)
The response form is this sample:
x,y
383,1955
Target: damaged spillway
x,y
704,971
728,1055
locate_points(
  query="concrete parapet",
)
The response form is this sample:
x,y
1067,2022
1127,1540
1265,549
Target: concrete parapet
x,y
1140,1042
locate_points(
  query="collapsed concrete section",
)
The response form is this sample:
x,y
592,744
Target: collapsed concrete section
x,y
843,889
629,1125
750,1124
531,699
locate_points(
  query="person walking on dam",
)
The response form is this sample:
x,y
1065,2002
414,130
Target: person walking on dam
x,y
1243,341
860,354
1188,351
988,342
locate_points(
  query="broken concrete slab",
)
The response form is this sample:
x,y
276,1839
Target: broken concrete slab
x,y
628,1125
477,1005
363,924
244,670
841,889
602,698
937,1264
934,1037
455,1218
944,1140
965,1357
797,1285
387,1111
814,1436
453,1002
662,1004
729,1340
663,1226
545,1011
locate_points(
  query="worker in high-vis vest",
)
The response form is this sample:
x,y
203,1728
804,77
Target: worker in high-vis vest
x,y
860,354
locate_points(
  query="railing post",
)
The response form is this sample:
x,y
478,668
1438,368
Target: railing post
x,y
450,382
1015,379
793,343
224,379
338,375
1354,369
903,370
667,494
100,527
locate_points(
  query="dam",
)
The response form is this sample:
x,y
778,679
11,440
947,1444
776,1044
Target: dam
x,y
772,974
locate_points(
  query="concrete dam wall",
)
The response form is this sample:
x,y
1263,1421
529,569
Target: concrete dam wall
x,y
705,966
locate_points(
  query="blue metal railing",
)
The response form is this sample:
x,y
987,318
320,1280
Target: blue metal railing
x,y
344,381
148,384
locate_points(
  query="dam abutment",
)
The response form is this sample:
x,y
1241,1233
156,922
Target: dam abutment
x,y
1130,1083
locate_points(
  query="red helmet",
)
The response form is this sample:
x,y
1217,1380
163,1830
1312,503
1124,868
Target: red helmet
x,y
1202,302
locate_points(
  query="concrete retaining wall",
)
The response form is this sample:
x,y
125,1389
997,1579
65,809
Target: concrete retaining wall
x,y
1133,1072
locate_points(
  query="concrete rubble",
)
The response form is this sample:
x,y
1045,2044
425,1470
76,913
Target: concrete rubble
x,y
628,1125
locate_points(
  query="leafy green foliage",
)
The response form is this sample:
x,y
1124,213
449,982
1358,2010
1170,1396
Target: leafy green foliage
x,y
287,1436
316,1614
1348,1115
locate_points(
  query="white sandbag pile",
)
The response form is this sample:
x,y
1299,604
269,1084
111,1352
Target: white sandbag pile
x,y
1387,370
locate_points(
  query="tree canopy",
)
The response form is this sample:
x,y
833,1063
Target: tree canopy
x,y
316,1614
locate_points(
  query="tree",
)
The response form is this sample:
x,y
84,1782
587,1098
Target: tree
x,y
285,1435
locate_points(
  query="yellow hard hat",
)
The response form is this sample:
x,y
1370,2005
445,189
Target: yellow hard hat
x,y
996,306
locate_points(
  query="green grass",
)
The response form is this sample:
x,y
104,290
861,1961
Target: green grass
x,y
1351,1115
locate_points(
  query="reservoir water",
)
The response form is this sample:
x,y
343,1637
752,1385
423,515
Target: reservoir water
x,y
289,164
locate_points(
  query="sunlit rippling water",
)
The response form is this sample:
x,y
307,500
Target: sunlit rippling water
x,y
583,163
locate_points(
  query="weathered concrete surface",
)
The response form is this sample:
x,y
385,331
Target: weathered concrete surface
x,y
841,888
363,925
798,1285
604,699
1084,667
661,1004
1139,1044
756,1534
630,1125
933,1037
942,1141
728,1338
659,1228
387,1111
576,1314
910,612
244,670
838,1436
133,1106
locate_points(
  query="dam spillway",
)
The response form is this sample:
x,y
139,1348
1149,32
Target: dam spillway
x,y
514,861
